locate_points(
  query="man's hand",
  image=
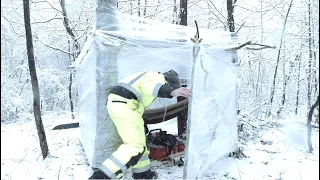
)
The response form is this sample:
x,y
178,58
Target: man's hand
x,y
185,92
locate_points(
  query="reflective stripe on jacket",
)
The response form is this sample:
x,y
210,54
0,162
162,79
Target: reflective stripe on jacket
x,y
147,86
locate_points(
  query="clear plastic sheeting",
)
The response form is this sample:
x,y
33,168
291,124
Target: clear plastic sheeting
x,y
213,119
131,44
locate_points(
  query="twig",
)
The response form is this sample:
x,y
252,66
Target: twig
x,y
59,171
242,45
263,46
240,27
248,123
46,21
165,112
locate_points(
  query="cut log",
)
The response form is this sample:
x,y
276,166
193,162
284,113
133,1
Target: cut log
x,y
157,115
150,116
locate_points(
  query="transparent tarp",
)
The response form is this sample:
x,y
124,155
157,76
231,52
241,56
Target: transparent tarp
x,y
131,44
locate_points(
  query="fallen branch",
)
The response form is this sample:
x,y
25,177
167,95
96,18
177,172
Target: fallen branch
x,y
262,46
248,123
150,116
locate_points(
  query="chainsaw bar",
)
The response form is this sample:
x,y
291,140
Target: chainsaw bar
x,y
66,126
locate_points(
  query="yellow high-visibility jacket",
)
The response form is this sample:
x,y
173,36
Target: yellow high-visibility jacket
x,y
147,86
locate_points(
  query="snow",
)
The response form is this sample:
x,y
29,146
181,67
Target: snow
x,y
279,153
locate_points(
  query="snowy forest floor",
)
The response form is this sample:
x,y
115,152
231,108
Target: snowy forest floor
x,y
274,151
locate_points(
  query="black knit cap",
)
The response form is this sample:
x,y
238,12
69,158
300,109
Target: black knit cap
x,y
172,79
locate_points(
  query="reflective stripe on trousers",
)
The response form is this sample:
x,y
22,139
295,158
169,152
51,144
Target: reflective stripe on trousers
x,y
127,118
143,163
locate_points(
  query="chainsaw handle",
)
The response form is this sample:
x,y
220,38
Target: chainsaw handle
x,y
155,130
160,131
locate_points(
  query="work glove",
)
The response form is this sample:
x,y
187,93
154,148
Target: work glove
x,y
182,91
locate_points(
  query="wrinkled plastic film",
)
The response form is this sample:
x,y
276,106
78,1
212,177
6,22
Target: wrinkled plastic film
x,y
94,76
131,44
213,121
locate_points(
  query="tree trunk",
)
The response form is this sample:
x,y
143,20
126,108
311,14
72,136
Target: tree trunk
x,y
310,55
175,13
183,12
309,124
298,60
285,82
34,81
139,13
131,7
70,95
145,8
75,49
183,115
182,118
278,59
230,15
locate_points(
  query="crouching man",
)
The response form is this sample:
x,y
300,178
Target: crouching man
x,y
126,104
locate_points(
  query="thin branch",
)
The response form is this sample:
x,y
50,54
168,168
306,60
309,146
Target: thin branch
x,y
215,14
263,46
59,18
10,23
240,27
241,46
84,32
55,48
46,2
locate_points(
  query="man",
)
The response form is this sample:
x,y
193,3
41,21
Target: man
x,y
126,104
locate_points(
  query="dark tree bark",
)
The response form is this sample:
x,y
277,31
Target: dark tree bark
x,y
75,49
175,12
230,15
183,115
183,12
309,123
298,60
145,7
310,55
278,59
34,81
285,82
139,13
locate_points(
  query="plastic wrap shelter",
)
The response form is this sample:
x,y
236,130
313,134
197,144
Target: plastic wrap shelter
x,y
133,45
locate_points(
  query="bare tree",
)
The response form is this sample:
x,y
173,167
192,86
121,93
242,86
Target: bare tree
x,y
278,59
298,60
175,12
139,13
230,15
183,12
145,8
34,81
310,113
310,55
75,49
183,115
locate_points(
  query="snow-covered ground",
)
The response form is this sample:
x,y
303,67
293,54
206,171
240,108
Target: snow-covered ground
x,y
279,153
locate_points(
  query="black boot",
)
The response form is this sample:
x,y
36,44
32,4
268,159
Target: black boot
x,y
145,175
98,174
